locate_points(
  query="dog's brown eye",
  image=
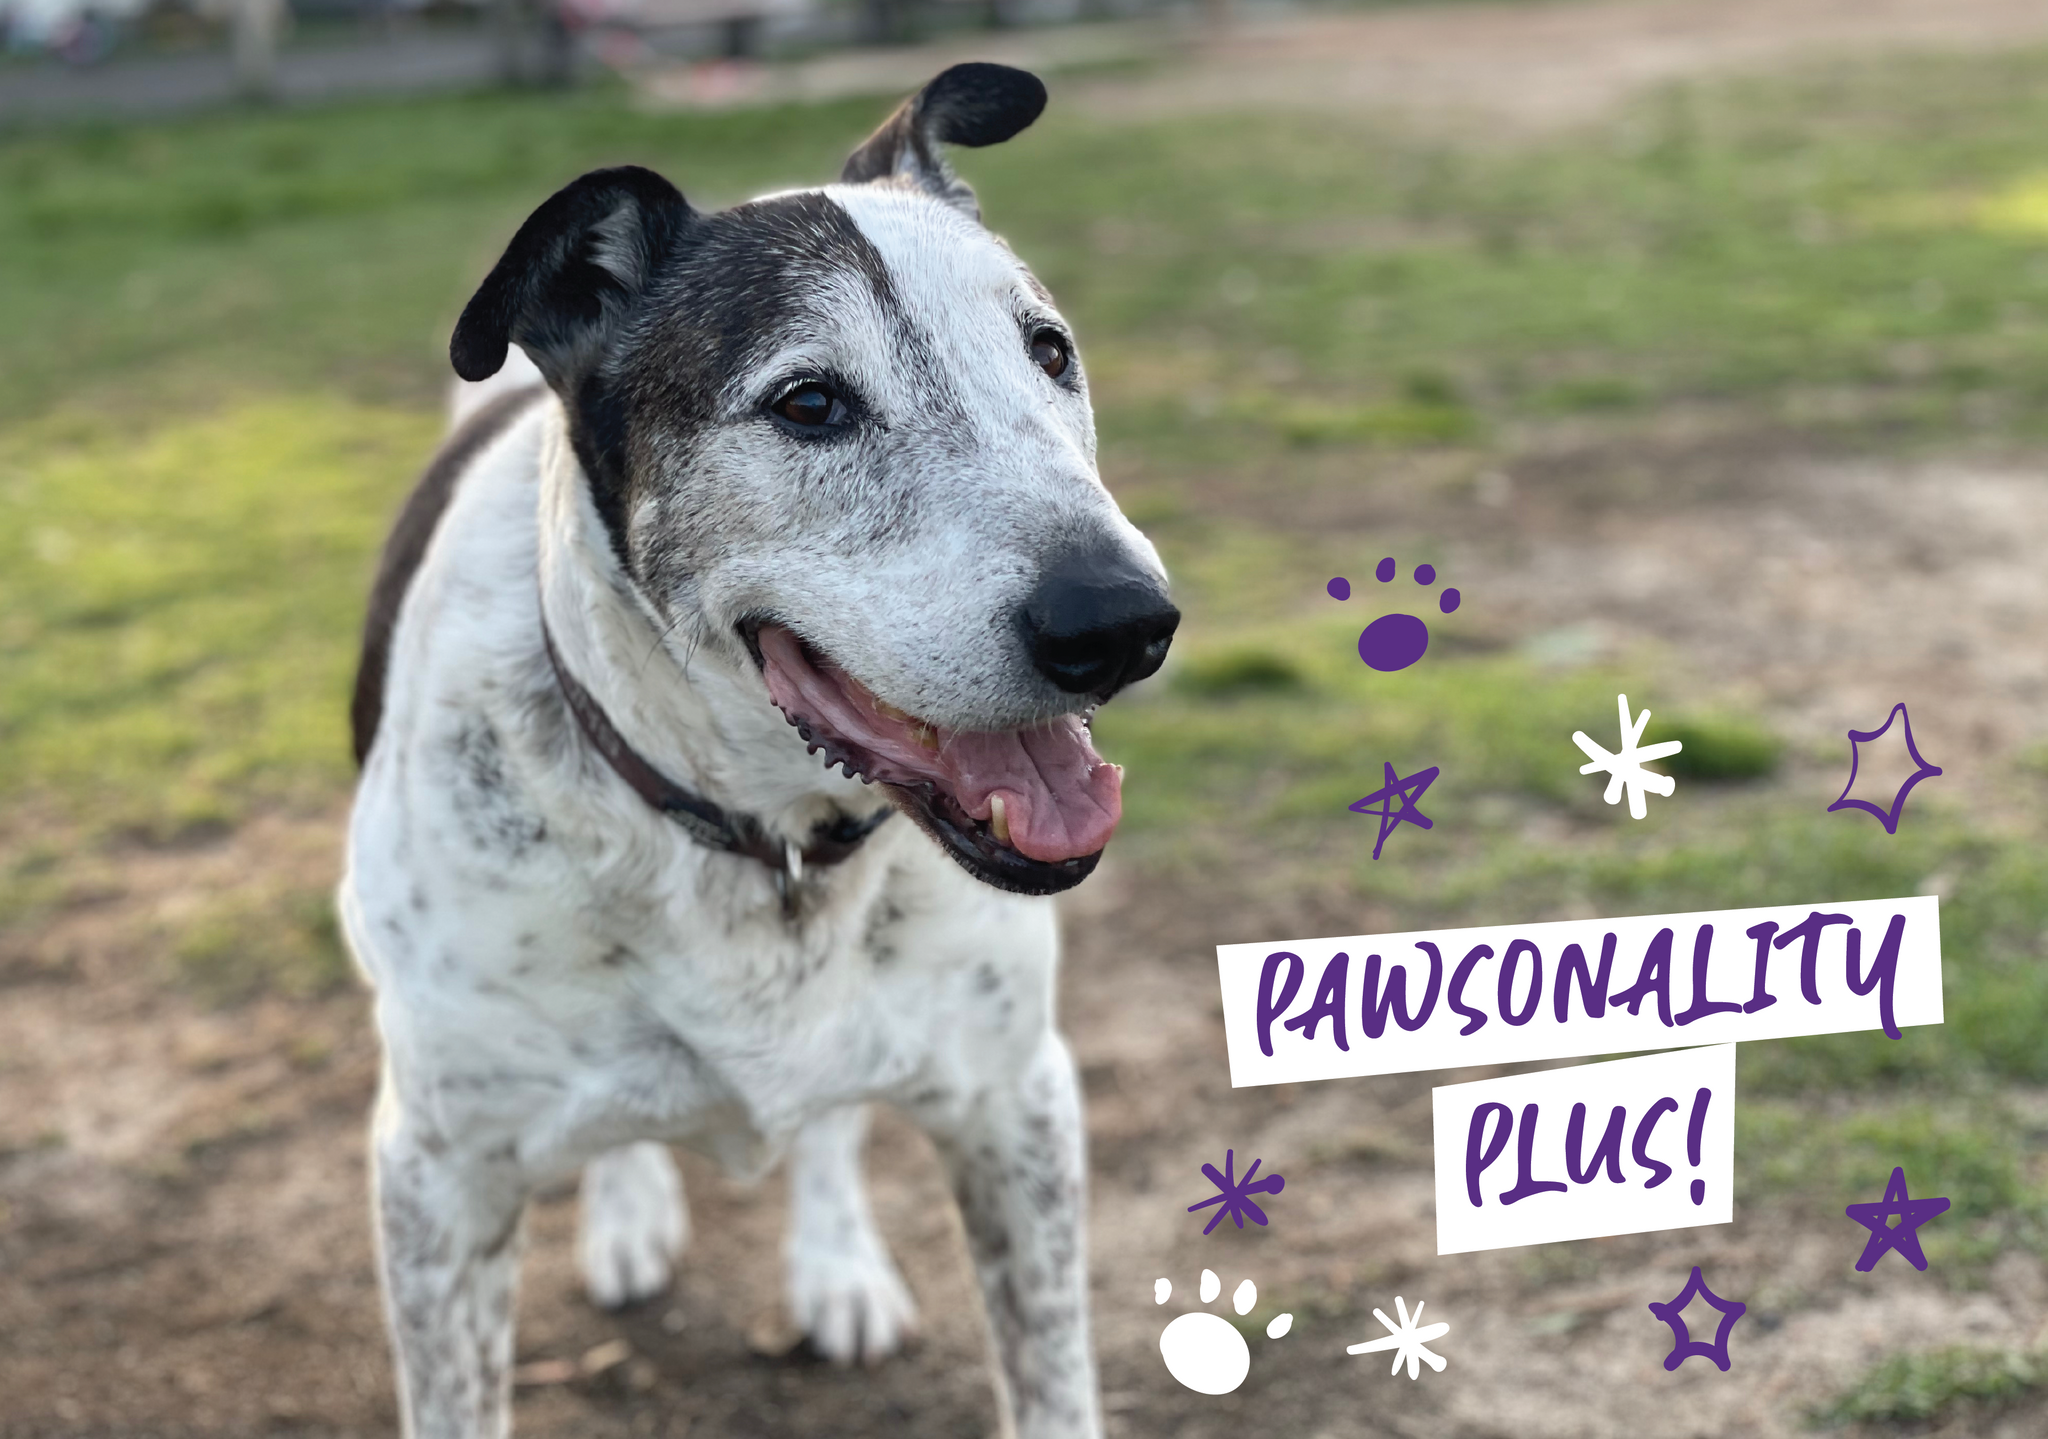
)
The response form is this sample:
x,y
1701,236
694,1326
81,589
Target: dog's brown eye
x,y
811,406
1049,353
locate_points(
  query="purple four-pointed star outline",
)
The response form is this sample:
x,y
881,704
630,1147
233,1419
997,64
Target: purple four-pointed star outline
x,y
1684,1346
1905,1236
1402,792
1234,1194
1889,819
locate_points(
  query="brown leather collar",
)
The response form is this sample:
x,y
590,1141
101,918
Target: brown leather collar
x,y
709,823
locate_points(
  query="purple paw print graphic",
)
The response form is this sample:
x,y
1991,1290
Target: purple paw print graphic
x,y
1394,642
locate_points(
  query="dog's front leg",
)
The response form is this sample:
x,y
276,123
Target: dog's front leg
x,y
1017,1155
448,1231
843,1288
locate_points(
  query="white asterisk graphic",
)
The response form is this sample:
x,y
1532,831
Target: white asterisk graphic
x,y
1406,1340
1626,768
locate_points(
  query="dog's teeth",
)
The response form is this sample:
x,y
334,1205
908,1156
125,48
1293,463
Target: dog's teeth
x,y
883,707
926,735
998,821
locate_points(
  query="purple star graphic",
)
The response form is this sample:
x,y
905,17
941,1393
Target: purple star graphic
x,y
1889,819
1903,1236
1403,793
1234,1194
1684,1346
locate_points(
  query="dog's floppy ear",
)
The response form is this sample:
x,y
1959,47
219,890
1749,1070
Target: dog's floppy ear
x,y
570,274
967,105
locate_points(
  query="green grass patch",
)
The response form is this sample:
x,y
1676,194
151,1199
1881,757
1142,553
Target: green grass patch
x,y
1937,1385
1717,747
178,607
1973,1151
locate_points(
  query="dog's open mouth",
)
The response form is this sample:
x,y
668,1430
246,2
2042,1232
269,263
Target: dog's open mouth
x,y
1027,810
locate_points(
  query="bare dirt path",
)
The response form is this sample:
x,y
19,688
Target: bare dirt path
x,y
1510,67
1539,66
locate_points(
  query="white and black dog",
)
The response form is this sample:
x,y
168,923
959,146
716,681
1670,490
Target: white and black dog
x,y
823,460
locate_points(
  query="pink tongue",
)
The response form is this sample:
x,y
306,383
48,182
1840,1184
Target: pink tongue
x,y
1059,799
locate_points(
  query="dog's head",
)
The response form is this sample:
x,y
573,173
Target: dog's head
x,y
842,436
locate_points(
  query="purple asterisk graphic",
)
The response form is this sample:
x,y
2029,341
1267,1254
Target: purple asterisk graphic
x,y
1396,804
1888,818
1903,1236
1684,1346
1234,1194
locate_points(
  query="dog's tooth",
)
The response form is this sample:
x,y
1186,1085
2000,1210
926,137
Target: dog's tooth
x,y
883,707
998,821
926,735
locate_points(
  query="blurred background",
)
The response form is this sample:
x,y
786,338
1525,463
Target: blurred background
x,y
1701,344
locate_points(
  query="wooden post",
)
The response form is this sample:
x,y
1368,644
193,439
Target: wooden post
x,y
257,26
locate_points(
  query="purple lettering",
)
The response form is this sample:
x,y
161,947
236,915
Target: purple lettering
x,y
1507,982
1269,1008
1592,989
1607,1151
1643,1132
1526,1183
1653,978
1701,1006
1375,1004
1457,995
1329,1002
1760,998
1475,1161
1809,930
1883,970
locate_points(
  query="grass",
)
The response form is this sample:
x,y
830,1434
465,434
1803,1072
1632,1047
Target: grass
x,y
176,605
1938,1386
225,362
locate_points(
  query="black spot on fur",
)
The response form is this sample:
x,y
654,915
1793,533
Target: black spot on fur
x,y
486,800
879,939
406,547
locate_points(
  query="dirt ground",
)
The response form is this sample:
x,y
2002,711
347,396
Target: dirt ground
x,y
193,1257
184,1246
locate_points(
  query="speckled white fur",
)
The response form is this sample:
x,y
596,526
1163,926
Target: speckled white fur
x,y
563,976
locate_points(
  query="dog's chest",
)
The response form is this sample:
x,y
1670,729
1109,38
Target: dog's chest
x,y
566,1024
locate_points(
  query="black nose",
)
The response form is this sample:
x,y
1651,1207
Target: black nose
x,y
1097,622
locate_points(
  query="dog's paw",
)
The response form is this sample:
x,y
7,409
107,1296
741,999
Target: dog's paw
x,y
851,1303
633,1225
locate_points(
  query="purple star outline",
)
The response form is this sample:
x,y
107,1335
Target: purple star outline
x,y
1684,1346
1408,791
1905,1236
1890,820
1234,1194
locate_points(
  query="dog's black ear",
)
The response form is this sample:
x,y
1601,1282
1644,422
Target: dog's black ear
x,y
570,275
966,105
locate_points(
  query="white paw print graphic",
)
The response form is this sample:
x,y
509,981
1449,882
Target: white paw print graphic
x,y
1204,1351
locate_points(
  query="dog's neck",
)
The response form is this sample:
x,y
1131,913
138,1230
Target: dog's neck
x,y
697,717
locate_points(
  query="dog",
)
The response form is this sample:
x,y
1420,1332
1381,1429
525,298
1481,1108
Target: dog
x,y
811,476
